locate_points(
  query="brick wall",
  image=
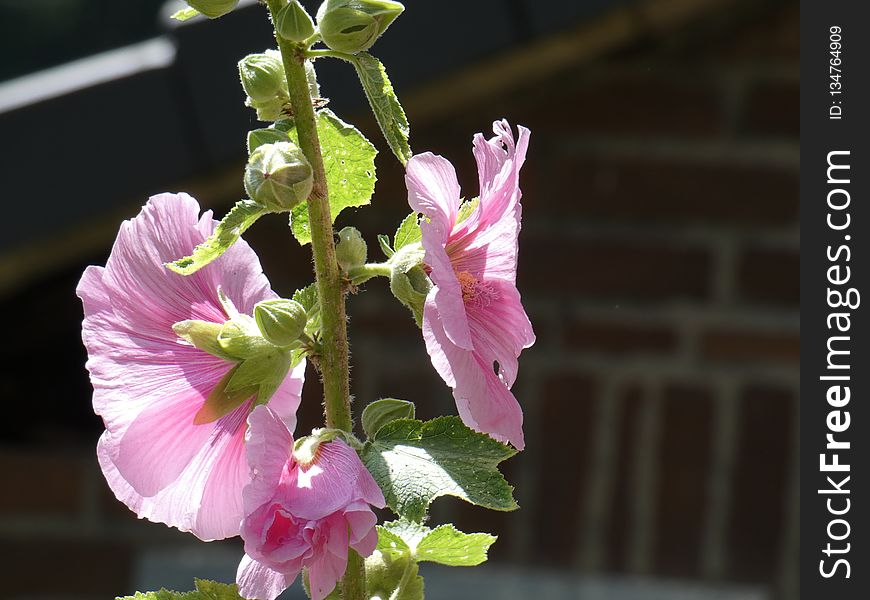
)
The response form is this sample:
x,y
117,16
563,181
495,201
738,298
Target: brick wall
x,y
659,265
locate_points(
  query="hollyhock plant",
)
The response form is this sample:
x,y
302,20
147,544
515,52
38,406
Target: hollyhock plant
x,y
197,366
474,324
162,454
302,514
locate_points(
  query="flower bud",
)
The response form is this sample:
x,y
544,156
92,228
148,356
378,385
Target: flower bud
x,y
353,25
280,321
262,76
293,23
271,110
351,250
213,8
279,176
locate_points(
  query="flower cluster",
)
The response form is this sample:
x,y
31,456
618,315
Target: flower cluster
x,y
198,393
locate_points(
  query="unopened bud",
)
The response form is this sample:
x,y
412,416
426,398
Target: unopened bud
x,y
351,250
279,176
213,8
280,321
354,25
293,23
262,76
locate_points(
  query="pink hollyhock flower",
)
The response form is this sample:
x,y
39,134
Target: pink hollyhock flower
x,y
474,324
302,515
149,384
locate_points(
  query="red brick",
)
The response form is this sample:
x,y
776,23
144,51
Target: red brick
x,y
768,276
772,109
44,484
619,527
609,269
683,466
626,104
417,382
744,346
767,36
667,191
618,337
43,567
568,399
760,479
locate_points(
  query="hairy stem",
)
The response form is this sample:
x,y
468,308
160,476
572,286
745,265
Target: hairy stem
x,y
334,352
334,358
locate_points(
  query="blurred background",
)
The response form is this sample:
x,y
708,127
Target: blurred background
x,y
659,265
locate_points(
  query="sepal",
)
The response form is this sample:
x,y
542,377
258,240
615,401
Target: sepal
x,y
293,23
383,411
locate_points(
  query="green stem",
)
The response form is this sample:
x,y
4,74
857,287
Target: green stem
x,y
407,574
334,357
329,54
334,367
363,273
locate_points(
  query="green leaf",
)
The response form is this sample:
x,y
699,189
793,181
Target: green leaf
x,y
408,232
390,577
307,297
349,162
185,13
205,590
445,544
466,208
385,105
231,227
380,412
415,462
384,243
258,137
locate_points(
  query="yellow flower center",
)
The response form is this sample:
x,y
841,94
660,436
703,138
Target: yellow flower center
x,y
475,292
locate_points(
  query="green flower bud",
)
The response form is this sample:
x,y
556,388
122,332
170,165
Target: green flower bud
x,y
271,110
213,8
279,176
354,25
262,76
351,250
280,321
293,23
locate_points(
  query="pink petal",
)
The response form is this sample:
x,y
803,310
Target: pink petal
x,y
501,330
148,384
499,161
484,401
336,478
447,292
258,581
361,521
433,189
330,563
270,447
